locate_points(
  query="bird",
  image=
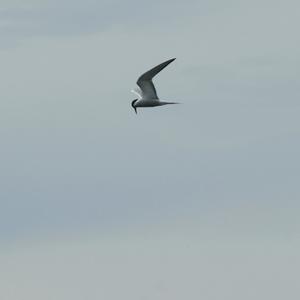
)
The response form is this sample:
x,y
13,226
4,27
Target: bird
x,y
146,92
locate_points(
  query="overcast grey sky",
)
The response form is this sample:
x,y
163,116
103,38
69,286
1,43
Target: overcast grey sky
x,y
197,201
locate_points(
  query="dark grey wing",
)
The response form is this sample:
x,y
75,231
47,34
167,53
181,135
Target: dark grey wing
x,y
145,80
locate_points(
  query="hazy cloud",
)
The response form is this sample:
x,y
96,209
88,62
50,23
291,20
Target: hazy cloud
x,y
221,169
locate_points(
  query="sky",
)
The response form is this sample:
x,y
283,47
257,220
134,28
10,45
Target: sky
x,y
198,200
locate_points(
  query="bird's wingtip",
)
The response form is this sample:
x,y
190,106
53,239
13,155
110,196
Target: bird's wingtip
x,y
171,59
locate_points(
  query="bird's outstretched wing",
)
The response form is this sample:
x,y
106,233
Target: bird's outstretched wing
x,y
138,92
145,80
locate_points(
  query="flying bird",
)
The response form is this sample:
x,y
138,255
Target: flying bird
x,y
147,96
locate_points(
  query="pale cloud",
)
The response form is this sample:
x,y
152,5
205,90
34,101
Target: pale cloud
x,y
67,107
72,18
155,266
221,167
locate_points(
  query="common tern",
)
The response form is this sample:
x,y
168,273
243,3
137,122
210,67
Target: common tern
x,y
147,96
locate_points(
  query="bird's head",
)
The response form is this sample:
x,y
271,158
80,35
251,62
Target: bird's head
x,y
132,104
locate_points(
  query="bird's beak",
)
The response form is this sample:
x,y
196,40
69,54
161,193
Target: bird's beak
x,y
135,110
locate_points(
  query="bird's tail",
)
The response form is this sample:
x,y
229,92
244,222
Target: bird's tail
x,y
165,103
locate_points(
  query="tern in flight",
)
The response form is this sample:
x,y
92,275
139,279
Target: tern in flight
x,y
147,96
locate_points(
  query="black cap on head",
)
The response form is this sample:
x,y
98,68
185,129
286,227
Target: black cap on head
x,y
132,104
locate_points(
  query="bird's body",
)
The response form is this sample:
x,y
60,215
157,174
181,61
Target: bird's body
x,y
147,96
